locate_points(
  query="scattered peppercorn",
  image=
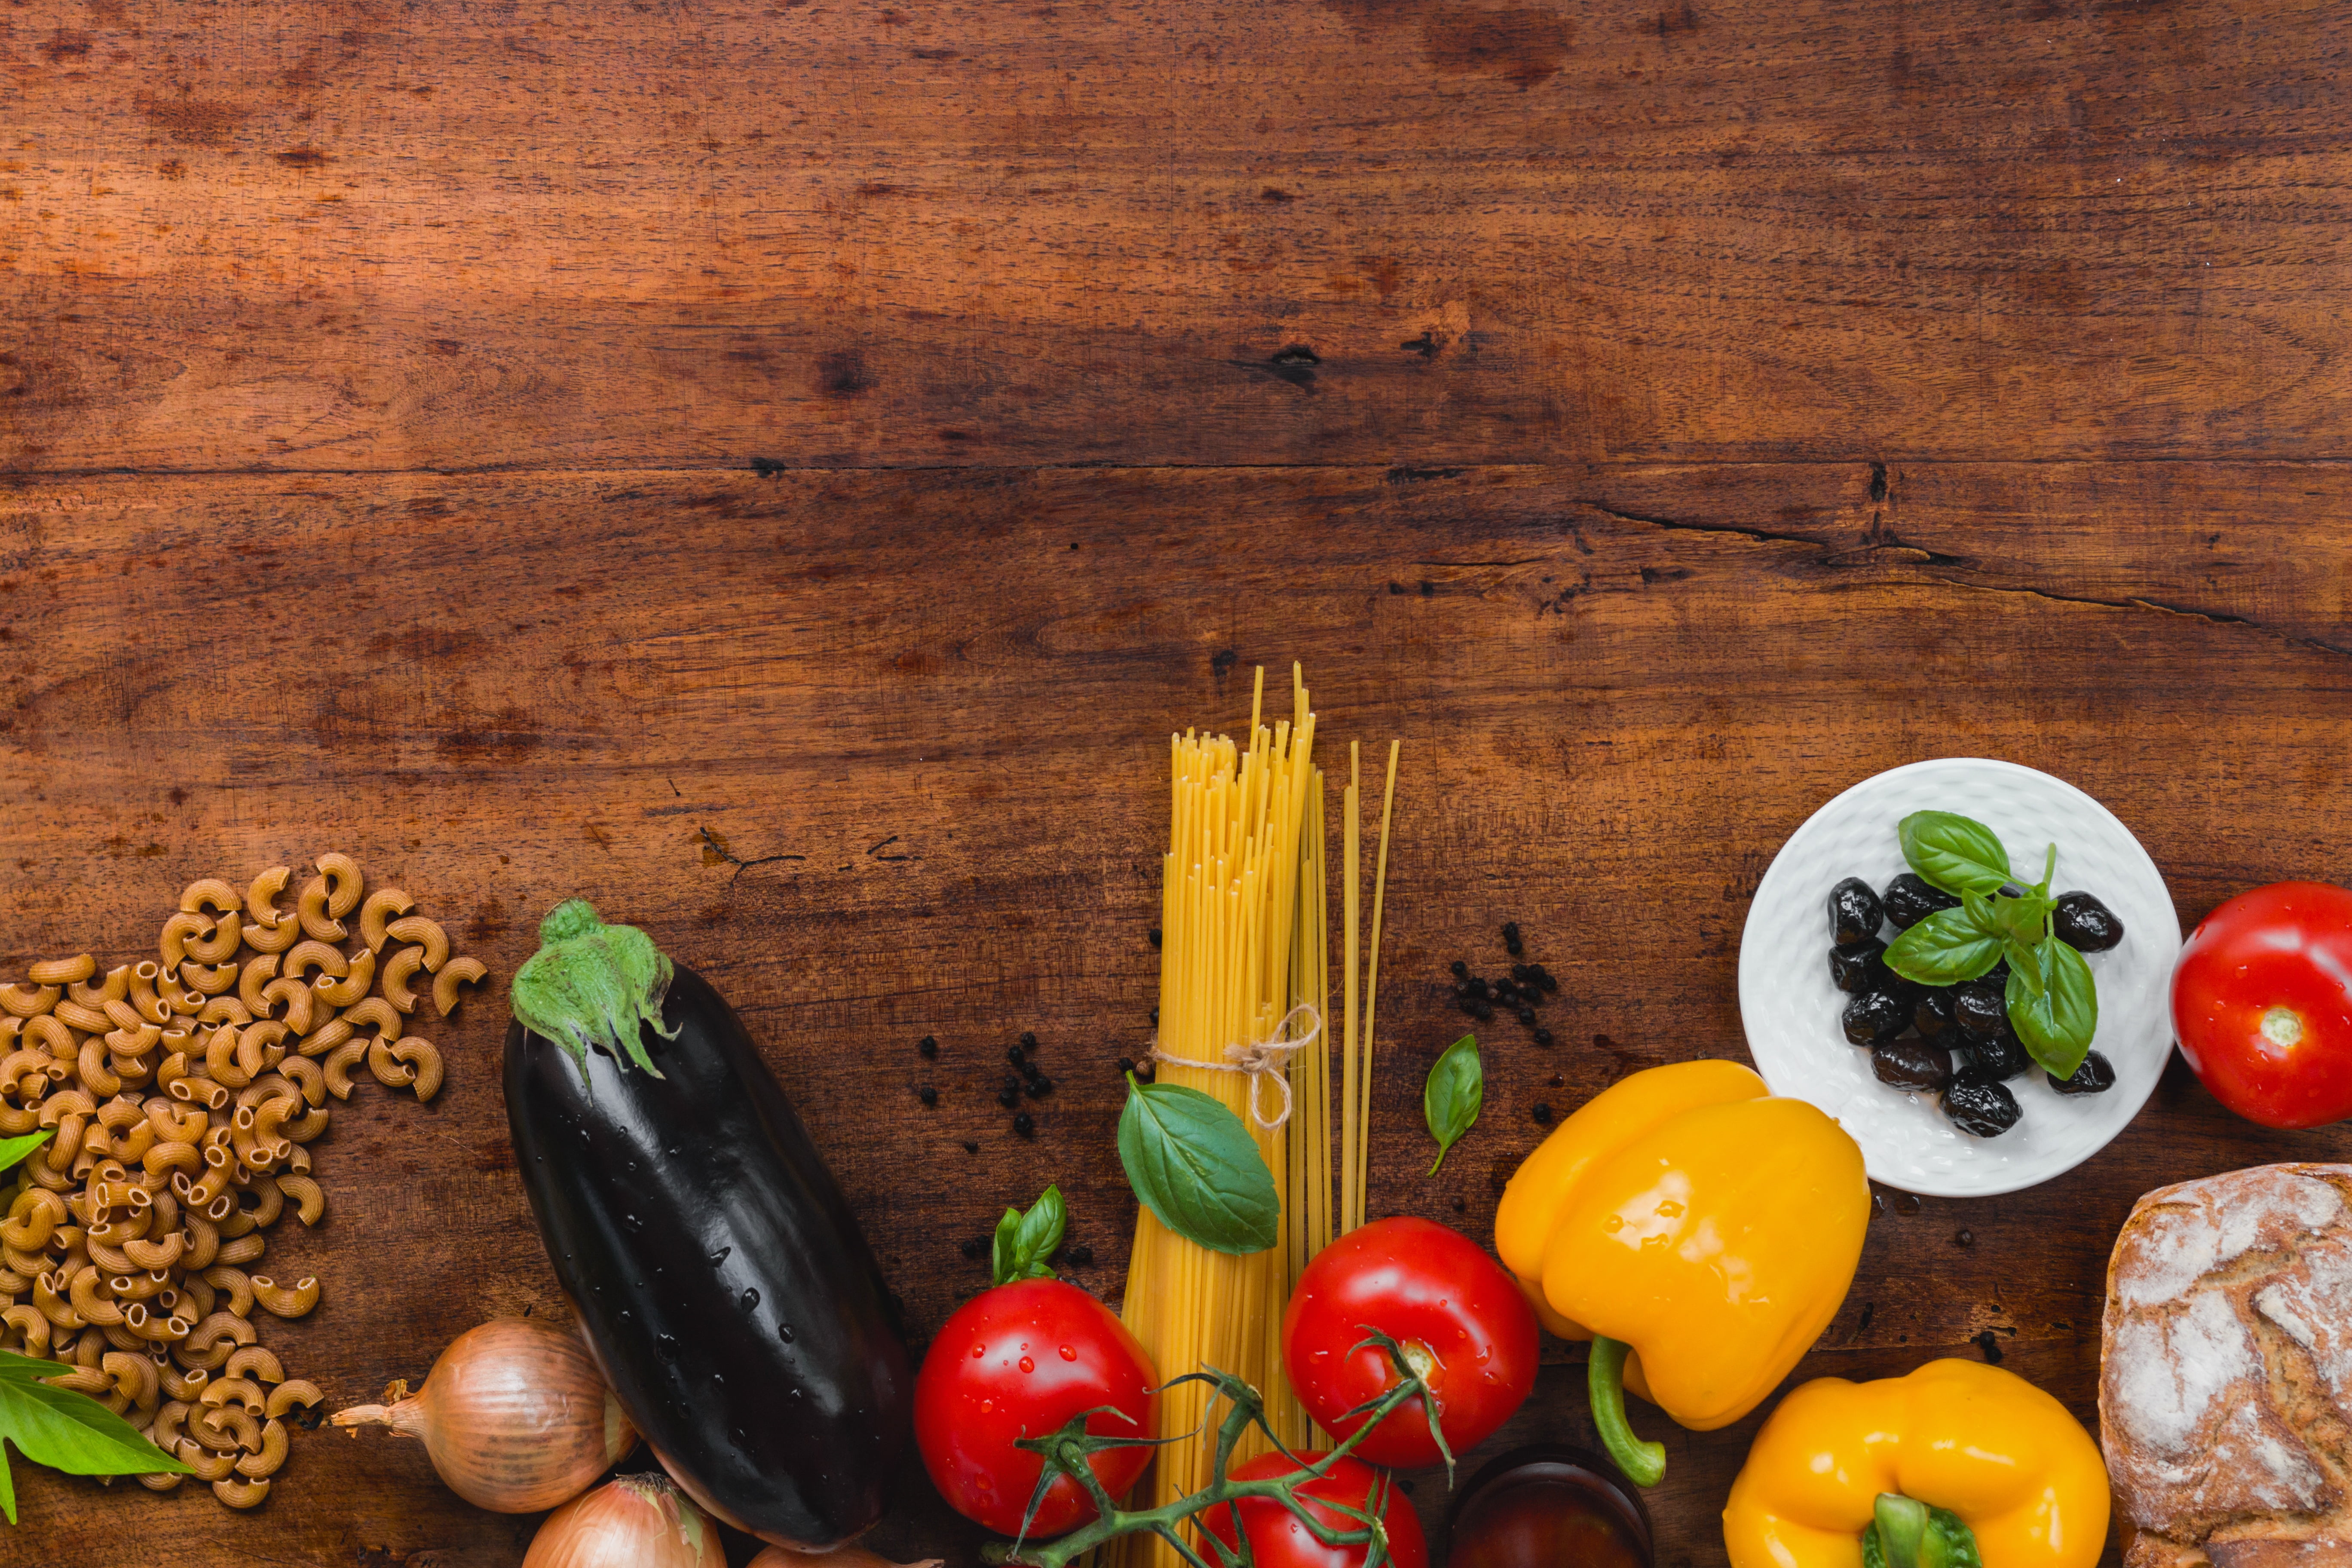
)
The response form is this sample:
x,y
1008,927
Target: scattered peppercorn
x,y
1460,1205
1039,1086
1543,1036
1966,1238
1126,1065
1155,1017
1511,938
1008,1098
1461,970
1078,1257
973,1248
1543,1115
1557,1081
1528,1017
1015,1056
1519,972
928,1095
971,1148
1023,1125
1028,1040
928,1045
1155,936
1481,1011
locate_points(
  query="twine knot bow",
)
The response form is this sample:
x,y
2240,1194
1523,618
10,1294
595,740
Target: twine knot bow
x,y
1261,1060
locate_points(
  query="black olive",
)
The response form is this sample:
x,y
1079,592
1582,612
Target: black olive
x,y
1981,1009
1932,1015
2096,1076
1911,899
1983,1109
1875,1015
1911,1064
1992,1058
1860,967
2084,924
1855,912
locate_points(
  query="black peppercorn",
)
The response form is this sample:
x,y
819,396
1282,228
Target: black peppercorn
x,y
1528,1017
1078,1257
1461,970
1039,1086
928,1046
1155,1017
1008,1098
1482,1011
1543,1036
1542,1114
928,1095
1028,1040
1544,976
971,1148
973,1248
1511,938
1520,972
1126,1065
1479,988
1015,1056
1025,1126
1155,936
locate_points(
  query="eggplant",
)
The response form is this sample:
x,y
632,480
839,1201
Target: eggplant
x,y
722,1282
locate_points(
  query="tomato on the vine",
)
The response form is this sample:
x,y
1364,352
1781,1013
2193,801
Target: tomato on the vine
x,y
1021,1361
2262,1004
1459,1319
1277,1539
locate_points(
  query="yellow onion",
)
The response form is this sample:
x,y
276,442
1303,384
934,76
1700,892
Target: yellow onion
x,y
633,1522
514,1415
839,1557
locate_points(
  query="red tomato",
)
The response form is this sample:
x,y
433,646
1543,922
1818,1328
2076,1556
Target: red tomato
x,y
2262,1002
1278,1539
1460,1320
1019,1362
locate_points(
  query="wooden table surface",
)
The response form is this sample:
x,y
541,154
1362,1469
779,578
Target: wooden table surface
x,y
784,470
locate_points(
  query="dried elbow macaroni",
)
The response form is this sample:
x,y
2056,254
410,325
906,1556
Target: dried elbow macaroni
x,y
183,1094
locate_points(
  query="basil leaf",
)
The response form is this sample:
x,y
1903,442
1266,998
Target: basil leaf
x,y
2021,962
1195,1166
13,1150
1451,1098
1025,1242
74,1433
2055,1026
2021,920
1956,853
1944,950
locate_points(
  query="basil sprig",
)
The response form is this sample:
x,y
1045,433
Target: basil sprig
x,y
2052,1001
1195,1166
1025,1242
1454,1092
57,1426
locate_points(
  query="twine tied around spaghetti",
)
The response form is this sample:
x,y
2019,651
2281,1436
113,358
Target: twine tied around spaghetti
x,y
1260,1061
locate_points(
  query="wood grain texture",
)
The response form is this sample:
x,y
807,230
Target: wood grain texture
x,y
881,755
349,235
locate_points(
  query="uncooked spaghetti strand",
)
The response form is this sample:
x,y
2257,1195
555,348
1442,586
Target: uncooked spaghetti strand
x,y
1373,977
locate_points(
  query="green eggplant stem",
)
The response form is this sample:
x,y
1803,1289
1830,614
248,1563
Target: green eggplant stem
x,y
1644,1464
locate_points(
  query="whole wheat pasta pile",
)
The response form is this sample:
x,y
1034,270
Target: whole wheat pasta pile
x,y
183,1093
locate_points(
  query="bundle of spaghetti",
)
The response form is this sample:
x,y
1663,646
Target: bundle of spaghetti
x,y
1236,905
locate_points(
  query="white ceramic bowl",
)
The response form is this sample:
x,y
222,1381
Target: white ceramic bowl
x,y
1790,1009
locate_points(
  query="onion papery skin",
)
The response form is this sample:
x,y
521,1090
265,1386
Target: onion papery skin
x,y
634,1522
839,1557
514,1417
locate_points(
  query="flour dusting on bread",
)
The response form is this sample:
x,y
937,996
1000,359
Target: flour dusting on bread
x,y
2225,1389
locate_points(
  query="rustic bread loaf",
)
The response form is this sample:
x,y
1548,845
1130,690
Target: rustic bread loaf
x,y
2225,1371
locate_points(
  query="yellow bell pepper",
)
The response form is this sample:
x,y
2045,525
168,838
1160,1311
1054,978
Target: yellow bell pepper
x,y
1986,1448
1688,1215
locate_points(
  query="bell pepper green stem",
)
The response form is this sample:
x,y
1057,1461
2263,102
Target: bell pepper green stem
x,y
1644,1464
1902,1526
